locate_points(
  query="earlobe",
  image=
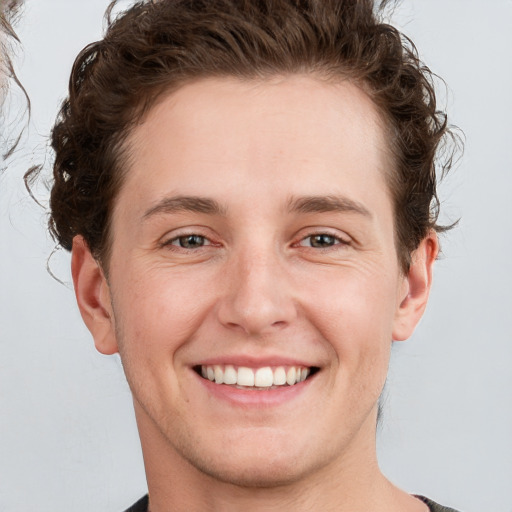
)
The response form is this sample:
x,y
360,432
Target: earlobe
x,y
417,284
93,296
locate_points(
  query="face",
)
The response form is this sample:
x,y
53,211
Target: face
x,y
254,288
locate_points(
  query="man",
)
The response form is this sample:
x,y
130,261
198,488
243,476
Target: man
x,y
249,193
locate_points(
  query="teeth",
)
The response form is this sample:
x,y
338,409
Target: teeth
x,y
245,376
279,376
290,376
264,377
230,375
219,374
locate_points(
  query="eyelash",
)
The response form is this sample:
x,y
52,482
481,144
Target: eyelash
x,y
336,241
332,241
177,241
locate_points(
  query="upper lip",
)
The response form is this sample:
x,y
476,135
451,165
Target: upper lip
x,y
255,362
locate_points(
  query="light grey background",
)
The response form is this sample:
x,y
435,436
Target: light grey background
x,y
68,440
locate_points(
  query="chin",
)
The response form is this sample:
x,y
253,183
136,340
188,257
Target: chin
x,y
251,463
257,472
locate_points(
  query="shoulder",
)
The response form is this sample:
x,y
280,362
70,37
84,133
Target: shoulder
x,y
140,506
434,507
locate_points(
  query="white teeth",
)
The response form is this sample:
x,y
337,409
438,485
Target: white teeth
x,y
265,377
219,374
290,376
279,376
245,376
230,375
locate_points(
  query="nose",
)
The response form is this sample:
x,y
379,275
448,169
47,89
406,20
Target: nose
x,y
258,296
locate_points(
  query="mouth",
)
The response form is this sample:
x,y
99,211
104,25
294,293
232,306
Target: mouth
x,y
263,379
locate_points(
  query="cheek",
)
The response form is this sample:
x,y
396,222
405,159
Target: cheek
x,y
156,315
357,300
354,313
159,310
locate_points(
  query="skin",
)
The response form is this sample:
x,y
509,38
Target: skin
x,y
260,290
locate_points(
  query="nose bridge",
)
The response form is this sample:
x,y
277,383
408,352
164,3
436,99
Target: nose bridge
x,y
258,297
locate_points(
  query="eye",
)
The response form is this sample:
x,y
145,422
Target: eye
x,y
189,241
321,241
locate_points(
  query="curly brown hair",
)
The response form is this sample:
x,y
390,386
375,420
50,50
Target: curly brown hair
x,y
159,45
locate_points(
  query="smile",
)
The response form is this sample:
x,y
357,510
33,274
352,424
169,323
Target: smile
x,y
263,378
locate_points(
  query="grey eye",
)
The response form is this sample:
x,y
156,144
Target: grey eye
x,y
190,241
322,240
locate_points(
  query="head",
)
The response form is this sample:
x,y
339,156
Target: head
x,y
151,51
250,186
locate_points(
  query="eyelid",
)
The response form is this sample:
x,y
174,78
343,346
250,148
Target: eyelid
x,y
342,238
171,241
199,231
338,242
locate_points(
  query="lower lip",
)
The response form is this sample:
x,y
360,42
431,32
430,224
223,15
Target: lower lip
x,y
255,398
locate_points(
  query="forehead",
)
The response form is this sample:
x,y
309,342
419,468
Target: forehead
x,y
296,134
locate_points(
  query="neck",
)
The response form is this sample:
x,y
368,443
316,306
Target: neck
x,y
353,484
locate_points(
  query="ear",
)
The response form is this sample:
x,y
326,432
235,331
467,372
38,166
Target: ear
x,y
416,288
93,296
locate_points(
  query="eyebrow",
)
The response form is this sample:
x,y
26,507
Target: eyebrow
x,y
323,204
185,204
303,204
